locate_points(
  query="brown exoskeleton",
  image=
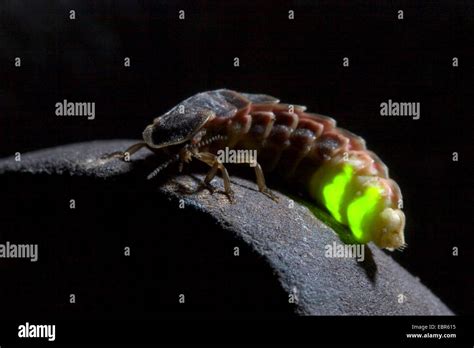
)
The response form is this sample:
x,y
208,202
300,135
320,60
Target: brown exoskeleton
x,y
332,165
192,127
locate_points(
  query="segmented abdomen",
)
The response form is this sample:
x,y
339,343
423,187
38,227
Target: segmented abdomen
x,y
291,141
333,164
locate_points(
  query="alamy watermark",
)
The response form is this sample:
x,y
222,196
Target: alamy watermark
x,y
20,251
356,251
237,156
66,108
28,330
392,108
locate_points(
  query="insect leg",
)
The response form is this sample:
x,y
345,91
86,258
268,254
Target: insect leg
x,y
123,154
262,187
211,160
210,175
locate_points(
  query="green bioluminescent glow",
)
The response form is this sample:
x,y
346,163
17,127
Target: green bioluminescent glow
x,y
348,200
333,192
360,208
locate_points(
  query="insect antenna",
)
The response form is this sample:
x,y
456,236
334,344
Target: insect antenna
x,y
162,166
176,157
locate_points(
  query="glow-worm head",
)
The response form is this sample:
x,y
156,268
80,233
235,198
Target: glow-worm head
x,y
175,127
186,119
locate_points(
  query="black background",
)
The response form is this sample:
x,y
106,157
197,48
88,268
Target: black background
x,y
299,61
